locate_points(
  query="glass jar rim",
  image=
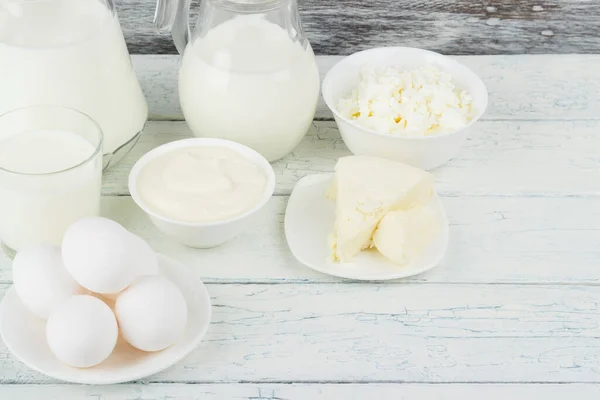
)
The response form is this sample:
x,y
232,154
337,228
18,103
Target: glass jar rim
x,y
97,149
250,6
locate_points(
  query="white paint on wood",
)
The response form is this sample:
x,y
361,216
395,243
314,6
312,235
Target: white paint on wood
x,y
379,391
515,300
507,158
492,240
400,333
548,87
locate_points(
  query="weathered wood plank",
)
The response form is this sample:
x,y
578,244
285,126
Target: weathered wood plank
x,y
450,27
492,240
520,87
553,158
380,391
387,333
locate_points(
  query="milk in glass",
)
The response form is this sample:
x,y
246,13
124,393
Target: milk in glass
x,y
70,53
50,174
38,203
247,81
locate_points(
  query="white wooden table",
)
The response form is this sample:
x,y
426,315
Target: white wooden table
x,y
511,313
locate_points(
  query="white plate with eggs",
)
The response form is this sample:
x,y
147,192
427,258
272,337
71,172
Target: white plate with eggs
x,y
171,289
310,218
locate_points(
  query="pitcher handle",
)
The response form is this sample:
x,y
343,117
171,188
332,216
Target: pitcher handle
x,y
173,16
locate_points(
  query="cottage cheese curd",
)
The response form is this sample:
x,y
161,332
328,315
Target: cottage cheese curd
x,y
418,102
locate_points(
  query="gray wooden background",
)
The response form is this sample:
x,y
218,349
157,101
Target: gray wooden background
x,y
341,27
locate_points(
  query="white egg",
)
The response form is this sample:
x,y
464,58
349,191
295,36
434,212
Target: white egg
x,y
152,313
41,280
146,261
82,332
100,255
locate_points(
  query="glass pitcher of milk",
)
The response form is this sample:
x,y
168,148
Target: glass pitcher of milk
x,y
71,53
248,73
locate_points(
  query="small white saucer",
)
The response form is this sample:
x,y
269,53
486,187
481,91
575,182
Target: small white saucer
x,y
310,217
25,336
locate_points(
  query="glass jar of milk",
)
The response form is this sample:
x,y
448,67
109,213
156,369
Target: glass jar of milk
x,y
248,73
50,174
71,53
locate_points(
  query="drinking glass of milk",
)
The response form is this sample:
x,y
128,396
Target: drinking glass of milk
x,y
248,73
71,53
50,174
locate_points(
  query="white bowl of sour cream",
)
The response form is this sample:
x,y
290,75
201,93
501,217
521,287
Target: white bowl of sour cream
x,y
404,104
200,191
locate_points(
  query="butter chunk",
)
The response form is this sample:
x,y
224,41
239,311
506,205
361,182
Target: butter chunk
x,y
365,189
403,235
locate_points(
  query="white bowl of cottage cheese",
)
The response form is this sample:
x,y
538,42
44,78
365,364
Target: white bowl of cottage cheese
x,y
404,104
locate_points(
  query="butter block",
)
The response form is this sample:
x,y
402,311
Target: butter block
x,y
365,189
403,235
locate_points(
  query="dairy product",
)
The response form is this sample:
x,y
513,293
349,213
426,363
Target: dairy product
x,y
403,235
38,202
70,53
365,190
246,81
417,102
201,184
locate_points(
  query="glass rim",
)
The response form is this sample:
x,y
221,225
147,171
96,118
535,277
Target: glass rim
x,y
255,6
97,149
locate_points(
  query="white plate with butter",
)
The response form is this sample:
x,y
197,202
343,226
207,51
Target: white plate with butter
x,y
310,218
25,336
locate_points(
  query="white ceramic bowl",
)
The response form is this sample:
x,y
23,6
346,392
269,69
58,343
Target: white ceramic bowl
x,y
24,333
208,234
423,152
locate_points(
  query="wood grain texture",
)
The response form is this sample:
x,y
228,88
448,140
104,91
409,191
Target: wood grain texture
x,y
494,240
340,27
379,391
549,87
387,333
553,158
512,308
